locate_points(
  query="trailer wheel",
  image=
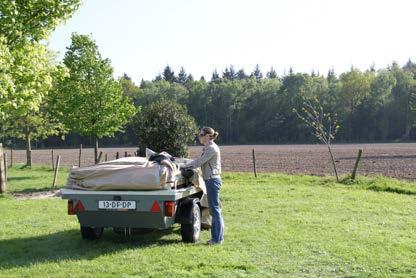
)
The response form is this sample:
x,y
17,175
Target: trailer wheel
x,y
190,232
91,233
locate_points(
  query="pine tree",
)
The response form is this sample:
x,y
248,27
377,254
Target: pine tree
x,y
271,74
182,77
158,77
241,75
229,73
257,73
169,74
215,76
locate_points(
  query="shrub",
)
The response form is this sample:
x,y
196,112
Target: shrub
x,y
165,126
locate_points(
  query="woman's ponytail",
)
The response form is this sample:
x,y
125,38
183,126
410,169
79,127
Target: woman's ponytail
x,y
211,132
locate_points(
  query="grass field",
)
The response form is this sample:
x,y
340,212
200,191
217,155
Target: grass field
x,y
276,225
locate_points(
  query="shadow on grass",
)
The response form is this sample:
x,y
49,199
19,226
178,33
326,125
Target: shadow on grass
x,y
34,190
68,245
9,179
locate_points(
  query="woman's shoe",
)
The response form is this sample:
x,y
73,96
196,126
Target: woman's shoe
x,y
210,242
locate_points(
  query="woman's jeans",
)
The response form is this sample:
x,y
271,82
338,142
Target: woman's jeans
x,y
217,226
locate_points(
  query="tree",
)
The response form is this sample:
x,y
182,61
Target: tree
x,y
90,99
165,126
229,73
158,77
405,86
32,21
182,76
31,73
241,75
354,87
169,74
215,76
129,89
324,126
190,78
26,67
271,74
257,73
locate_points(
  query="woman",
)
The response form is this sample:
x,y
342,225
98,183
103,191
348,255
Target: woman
x,y
210,163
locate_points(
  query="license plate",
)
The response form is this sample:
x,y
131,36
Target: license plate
x,y
117,205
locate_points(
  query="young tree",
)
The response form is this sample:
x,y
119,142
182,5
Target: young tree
x,y
323,125
90,99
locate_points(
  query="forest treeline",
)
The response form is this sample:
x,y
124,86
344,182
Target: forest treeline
x,y
248,108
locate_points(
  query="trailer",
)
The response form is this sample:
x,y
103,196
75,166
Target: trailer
x,y
126,211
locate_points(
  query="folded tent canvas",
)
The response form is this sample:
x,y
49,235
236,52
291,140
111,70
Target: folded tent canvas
x,y
132,173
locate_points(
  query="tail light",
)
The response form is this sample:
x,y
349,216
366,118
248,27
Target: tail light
x,y
169,208
71,210
79,207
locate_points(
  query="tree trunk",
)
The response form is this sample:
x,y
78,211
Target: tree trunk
x,y
2,171
28,150
95,149
333,162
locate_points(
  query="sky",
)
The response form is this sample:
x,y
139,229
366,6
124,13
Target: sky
x,y
141,37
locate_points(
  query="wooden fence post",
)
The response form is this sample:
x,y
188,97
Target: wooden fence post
x,y
105,157
360,151
58,161
117,155
2,177
5,166
254,163
99,157
80,155
11,157
125,154
53,161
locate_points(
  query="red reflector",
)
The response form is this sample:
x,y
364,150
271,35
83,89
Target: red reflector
x,y
71,210
79,207
169,208
155,207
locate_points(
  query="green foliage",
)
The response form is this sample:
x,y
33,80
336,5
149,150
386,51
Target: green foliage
x,y
33,20
27,68
89,99
165,126
370,105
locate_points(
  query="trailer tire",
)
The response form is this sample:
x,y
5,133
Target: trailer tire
x,y
91,233
190,232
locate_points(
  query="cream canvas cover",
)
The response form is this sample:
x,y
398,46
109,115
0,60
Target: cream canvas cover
x,y
131,173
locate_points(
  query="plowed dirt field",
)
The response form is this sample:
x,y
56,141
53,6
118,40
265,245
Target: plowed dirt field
x,y
394,160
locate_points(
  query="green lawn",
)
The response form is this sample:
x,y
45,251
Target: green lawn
x,y
38,178
276,225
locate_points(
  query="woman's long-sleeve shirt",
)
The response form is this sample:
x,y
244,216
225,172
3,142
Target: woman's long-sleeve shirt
x,y
210,161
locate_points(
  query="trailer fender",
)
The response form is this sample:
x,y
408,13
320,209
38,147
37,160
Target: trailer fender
x,y
184,210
